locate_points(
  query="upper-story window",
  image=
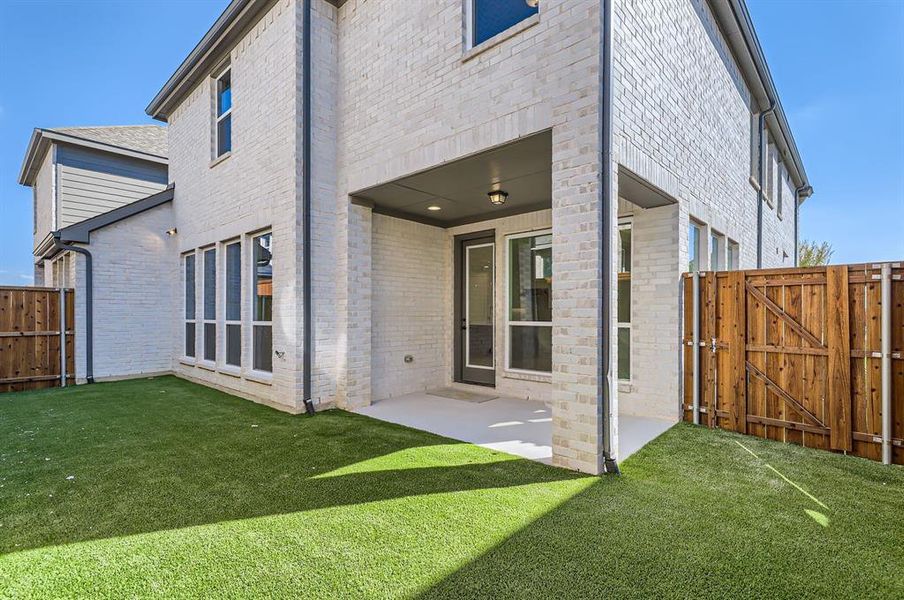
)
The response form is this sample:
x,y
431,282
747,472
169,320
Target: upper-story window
x,y
491,17
224,113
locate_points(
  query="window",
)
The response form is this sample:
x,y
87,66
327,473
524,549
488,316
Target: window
x,y
224,113
780,185
717,243
210,305
262,293
769,184
189,267
734,255
624,301
529,277
233,285
755,146
60,270
694,234
491,17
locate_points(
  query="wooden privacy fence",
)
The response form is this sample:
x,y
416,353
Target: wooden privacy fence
x,y
812,356
37,338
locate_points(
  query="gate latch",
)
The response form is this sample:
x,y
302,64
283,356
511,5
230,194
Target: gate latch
x,y
712,347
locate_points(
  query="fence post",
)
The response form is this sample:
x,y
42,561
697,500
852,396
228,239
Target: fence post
x,y
695,352
736,309
886,363
62,337
838,341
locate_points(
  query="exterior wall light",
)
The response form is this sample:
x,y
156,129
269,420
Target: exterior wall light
x,y
532,3
497,197
171,232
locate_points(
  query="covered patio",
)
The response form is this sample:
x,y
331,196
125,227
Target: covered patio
x,y
483,274
519,427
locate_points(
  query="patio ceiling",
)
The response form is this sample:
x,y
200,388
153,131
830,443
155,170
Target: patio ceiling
x,y
523,169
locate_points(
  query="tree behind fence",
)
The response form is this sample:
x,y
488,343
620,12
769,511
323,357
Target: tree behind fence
x,y
796,355
32,346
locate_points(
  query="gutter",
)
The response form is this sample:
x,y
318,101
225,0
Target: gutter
x,y
306,205
606,98
759,193
89,303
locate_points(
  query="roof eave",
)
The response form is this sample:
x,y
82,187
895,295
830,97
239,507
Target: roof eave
x,y
32,154
234,14
81,232
207,53
42,138
736,23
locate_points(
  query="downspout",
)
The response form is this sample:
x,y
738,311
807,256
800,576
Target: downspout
x,y
759,194
800,194
306,204
89,305
606,99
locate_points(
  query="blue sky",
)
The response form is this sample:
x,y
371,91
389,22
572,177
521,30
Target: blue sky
x,y
838,65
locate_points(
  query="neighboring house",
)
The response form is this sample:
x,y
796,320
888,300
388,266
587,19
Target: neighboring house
x,y
476,177
82,177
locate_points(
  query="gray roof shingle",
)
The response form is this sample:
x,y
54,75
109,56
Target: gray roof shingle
x,y
149,139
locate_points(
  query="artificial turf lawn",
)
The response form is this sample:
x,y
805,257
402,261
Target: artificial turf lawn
x,y
181,490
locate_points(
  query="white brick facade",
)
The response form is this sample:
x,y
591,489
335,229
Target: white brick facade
x,y
135,277
396,91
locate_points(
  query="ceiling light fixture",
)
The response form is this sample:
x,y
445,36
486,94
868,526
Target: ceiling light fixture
x,y
497,197
434,207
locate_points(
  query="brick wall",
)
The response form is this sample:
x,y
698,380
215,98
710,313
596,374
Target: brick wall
x,y
682,122
255,188
408,308
413,96
135,279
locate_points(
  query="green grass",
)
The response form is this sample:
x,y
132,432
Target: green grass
x,y
180,491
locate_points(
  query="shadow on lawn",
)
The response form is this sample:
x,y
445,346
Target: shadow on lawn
x,y
697,514
164,454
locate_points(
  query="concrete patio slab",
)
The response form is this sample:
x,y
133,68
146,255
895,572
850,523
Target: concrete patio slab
x,y
519,427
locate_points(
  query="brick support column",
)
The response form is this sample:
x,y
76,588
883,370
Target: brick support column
x,y
355,387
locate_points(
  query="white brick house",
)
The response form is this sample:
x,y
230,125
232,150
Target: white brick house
x,y
625,133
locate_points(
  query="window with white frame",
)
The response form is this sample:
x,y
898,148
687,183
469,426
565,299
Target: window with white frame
x,y
223,128
60,270
232,284
769,184
262,297
694,237
716,247
780,185
189,331
624,301
755,145
209,338
529,310
733,255
491,17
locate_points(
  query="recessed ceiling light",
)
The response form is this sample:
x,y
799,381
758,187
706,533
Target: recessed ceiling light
x,y
434,207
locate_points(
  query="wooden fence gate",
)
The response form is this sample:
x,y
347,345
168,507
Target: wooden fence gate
x,y
812,356
37,338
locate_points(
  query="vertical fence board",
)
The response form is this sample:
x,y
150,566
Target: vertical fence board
x,y
838,342
736,305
